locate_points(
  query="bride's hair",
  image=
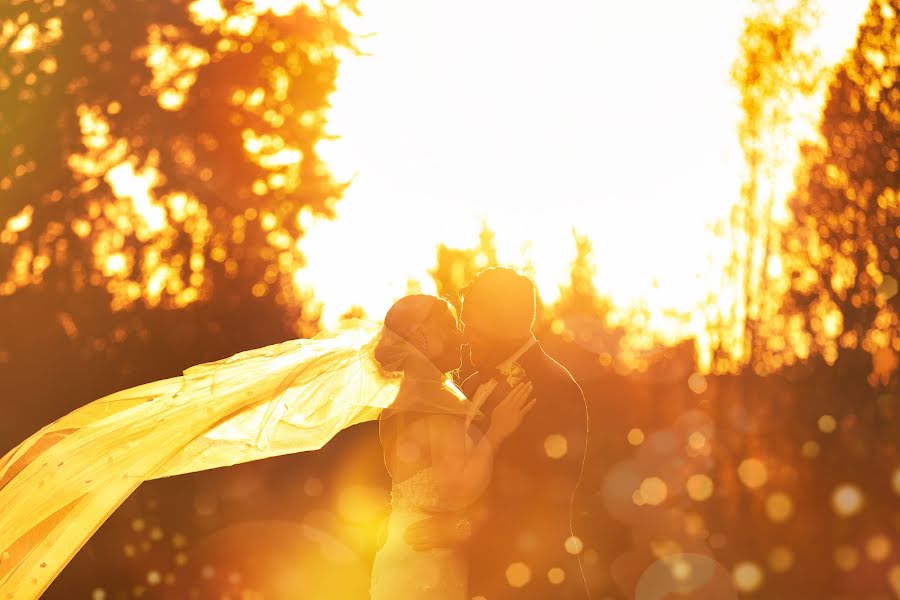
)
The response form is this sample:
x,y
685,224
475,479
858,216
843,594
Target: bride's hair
x,y
400,321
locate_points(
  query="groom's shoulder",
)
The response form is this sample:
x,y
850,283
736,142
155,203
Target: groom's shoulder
x,y
558,373
569,399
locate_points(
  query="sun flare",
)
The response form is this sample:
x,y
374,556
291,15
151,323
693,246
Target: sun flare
x,y
465,116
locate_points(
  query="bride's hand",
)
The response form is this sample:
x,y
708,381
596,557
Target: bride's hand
x,y
508,414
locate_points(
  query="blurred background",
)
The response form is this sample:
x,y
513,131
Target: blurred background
x,y
705,192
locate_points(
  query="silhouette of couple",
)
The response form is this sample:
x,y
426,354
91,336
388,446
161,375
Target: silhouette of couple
x,y
483,477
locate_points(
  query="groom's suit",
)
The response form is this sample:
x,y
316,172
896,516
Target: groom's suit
x,y
519,550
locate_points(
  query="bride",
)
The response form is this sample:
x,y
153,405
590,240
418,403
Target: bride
x,y
434,465
58,486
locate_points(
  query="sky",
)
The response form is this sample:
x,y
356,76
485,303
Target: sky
x,y
615,119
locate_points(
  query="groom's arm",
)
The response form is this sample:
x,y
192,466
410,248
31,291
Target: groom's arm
x,y
447,530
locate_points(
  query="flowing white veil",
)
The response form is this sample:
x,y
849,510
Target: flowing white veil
x,y
58,486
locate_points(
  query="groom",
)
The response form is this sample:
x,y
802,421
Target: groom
x,y
520,538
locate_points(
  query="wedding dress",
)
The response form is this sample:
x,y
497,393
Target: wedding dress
x,y
58,486
399,571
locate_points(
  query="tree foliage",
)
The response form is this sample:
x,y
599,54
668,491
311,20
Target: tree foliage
x,y
775,72
158,150
841,250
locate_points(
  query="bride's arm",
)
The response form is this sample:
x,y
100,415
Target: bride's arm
x,y
461,475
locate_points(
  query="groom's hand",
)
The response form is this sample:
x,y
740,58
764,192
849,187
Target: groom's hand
x,y
441,531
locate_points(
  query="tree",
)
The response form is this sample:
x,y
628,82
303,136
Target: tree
x,y
456,267
157,164
580,315
580,294
841,250
775,72
159,150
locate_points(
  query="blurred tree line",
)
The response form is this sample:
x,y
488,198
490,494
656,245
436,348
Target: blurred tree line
x,y
159,162
793,444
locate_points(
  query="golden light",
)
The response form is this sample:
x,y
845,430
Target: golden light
x,y
528,139
19,222
127,182
697,383
894,579
115,264
635,437
697,440
878,547
747,576
556,446
681,569
360,503
827,424
207,11
518,574
753,473
520,137
653,491
779,507
212,13
136,209
31,36
810,449
174,64
281,8
573,544
556,575
699,487
847,500
781,559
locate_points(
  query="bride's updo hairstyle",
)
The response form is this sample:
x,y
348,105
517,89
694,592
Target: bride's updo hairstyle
x,y
394,347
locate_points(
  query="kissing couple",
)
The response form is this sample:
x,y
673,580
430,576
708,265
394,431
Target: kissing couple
x,y
484,476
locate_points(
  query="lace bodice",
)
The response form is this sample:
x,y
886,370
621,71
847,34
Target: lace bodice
x,y
417,492
402,572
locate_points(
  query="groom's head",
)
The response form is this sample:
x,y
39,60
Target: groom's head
x,y
498,309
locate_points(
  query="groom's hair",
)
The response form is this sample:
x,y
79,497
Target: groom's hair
x,y
507,297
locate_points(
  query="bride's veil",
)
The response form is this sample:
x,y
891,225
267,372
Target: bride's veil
x,y
59,485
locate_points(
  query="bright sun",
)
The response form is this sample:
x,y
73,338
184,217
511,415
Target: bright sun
x,y
613,119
